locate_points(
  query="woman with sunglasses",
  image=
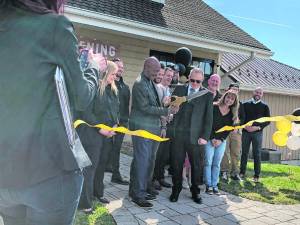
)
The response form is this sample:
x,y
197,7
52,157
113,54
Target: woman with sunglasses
x,y
225,112
40,177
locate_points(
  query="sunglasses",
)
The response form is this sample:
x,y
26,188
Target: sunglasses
x,y
195,81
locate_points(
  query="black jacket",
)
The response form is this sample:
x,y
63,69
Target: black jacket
x,y
201,117
124,98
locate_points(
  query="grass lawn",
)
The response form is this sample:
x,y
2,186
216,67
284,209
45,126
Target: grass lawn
x,y
99,217
279,184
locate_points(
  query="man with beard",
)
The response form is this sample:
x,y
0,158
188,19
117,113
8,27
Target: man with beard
x,y
254,108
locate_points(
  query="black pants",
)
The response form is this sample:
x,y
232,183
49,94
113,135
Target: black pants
x,y
114,155
162,158
256,139
103,158
196,156
87,193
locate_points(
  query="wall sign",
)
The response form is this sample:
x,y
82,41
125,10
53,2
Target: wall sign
x,y
101,47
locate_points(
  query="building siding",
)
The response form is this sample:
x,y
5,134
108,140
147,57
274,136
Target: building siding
x,y
279,105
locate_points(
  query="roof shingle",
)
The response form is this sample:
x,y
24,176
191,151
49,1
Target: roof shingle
x,y
262,72
185,16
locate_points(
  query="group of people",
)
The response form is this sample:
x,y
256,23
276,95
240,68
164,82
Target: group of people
x,y
44,174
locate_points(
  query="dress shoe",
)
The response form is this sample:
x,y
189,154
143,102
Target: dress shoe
x,y
157,185
142,203
197,198
103,200
174,197
150,197
164,183
119,180
152,191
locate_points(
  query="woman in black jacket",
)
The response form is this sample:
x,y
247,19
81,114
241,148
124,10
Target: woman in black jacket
x,y
225,112
104,110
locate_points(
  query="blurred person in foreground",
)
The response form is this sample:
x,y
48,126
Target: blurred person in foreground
x,y
40,177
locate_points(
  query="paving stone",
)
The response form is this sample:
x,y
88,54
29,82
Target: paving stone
x,y
258,209
235,218
124,219
186,220
120,212
288,212
279,216
246,213
219,221
201,215
151,217
214,211
268,220
168,223
182,208
136,210
296,221
227,208
168,212
252,222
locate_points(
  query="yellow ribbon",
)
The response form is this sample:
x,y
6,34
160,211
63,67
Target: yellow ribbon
x,y
124,130
260,120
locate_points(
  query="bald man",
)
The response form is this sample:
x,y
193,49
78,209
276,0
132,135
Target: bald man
x,y
146,111
254,108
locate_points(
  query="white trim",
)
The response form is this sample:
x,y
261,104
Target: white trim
x,y
273,90
129,27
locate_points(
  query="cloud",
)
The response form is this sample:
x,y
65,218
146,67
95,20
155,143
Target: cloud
x,y
259,21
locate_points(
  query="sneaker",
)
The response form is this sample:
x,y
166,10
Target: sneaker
x,y
157,185
164,183
224,176
236,178
87,211
185,183
209,190
216,191
255,179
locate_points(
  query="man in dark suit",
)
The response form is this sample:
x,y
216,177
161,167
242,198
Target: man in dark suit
x,y
146,112
192,127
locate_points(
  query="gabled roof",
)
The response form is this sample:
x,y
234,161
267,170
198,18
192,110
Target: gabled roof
x,y
261,72
184,16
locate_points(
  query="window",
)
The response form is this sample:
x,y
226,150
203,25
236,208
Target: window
x,y
168,59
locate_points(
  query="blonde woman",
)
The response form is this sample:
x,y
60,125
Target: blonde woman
x,y
105,110
225,112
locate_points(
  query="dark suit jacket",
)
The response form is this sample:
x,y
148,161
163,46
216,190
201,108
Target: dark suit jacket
x,y
202,115
145,110
33,141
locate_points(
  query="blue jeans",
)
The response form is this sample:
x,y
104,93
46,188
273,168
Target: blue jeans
x,y
142,166
51,202
213,158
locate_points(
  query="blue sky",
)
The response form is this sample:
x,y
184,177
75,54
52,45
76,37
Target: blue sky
x,y
275,23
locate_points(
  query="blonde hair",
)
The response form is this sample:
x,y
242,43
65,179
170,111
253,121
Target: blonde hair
x,y
111,68
234,108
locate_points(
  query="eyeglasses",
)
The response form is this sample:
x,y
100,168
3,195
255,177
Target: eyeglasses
x,y
195,81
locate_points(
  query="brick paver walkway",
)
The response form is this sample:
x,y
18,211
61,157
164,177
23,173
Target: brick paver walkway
x,y
226,209
216,210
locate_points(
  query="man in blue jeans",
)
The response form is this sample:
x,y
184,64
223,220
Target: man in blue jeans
x,y
254,108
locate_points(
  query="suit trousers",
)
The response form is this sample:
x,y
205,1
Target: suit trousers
x,y
195,153
162,158
114,160
87,193
256,139
51,202
230,162
142,166
103,159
